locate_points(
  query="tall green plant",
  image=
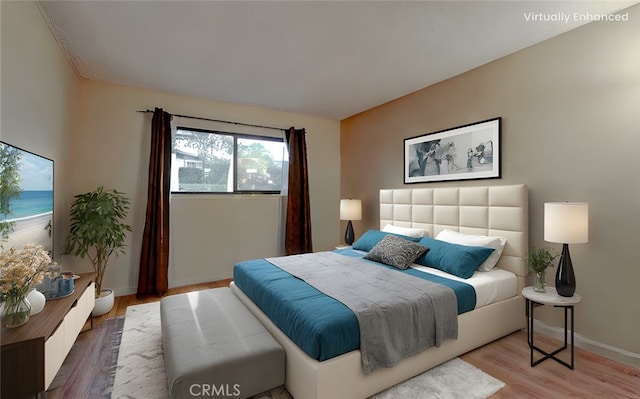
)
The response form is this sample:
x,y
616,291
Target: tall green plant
x,y
97,228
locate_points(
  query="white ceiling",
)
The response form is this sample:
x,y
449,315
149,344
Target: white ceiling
x,y
326,58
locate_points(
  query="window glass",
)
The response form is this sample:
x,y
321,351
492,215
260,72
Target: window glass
x,y
220,162
259,164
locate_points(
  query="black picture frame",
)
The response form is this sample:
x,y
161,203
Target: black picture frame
x,y
464,152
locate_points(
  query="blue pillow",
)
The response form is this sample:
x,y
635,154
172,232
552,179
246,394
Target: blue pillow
x,y
456,259
372,237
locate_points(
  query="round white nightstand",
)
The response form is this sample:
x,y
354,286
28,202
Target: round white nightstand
x,y
550,297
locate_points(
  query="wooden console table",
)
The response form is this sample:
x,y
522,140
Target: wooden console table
x,y
33,353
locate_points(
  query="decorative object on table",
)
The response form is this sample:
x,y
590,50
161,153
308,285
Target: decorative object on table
x,y
538,260
20,271
37,301
566,223
16,311
55,285
98,231
70,275
465,152
350,209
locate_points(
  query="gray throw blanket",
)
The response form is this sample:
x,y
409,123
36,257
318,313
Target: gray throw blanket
x,y
399,315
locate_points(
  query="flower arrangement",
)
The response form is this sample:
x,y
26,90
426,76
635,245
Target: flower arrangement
x,y
20,271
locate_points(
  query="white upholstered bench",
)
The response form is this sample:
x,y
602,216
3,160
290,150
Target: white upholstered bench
x,y
215,347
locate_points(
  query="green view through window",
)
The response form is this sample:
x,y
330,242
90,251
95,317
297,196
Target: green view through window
x,y
219,162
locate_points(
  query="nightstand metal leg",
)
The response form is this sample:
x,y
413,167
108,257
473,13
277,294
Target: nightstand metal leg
x,y
549,355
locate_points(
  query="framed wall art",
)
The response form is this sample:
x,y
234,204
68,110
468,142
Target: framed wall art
x,y
460,153
26,214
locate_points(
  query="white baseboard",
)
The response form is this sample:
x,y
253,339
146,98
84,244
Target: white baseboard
x,y
608,351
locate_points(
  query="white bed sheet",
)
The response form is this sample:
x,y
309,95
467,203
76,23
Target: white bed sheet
x,y
493,286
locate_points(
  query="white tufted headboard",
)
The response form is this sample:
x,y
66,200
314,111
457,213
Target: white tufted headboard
x,y
486,210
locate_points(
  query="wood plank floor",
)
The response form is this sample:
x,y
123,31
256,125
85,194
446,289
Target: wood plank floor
x,y
506,359
594,376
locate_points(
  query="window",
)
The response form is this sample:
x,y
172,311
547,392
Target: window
x,y
206,161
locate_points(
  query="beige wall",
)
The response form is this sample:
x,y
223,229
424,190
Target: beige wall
x,y
571,131
38,89
110,144
96,137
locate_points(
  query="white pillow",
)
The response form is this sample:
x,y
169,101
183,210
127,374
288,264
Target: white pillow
x,y
405,231
497,243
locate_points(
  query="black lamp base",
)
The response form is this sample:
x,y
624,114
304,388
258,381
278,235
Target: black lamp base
x,y
565,277
349,235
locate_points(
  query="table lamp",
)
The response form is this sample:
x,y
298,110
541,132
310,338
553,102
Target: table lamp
x,y
350,209
566,223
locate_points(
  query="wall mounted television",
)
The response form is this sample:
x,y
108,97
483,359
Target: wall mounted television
x,y
26,198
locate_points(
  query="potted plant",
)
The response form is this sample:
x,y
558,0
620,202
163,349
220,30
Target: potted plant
x,y
537,262
98,231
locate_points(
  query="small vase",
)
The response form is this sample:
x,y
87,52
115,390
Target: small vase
x,y
16,311
539,283
37,301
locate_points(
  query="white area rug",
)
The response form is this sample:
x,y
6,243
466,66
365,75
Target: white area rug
x,y
140,373
455,379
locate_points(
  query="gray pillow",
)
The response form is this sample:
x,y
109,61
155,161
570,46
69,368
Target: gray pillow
x,y
395,251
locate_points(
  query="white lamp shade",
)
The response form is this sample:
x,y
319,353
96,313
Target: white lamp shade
x,y
350,209
566,222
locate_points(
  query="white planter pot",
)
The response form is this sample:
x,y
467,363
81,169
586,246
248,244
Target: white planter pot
x,y
104,304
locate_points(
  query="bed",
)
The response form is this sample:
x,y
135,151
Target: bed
x,y
484,210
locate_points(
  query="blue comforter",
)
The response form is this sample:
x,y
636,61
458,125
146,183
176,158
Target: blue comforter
x,y
320,325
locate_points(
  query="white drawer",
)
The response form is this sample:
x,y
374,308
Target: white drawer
x,y
60,343
54,354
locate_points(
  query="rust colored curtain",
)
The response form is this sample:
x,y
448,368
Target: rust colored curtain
x,y
154,259
298,225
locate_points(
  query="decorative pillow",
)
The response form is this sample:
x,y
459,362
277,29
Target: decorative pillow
x,y
395,251
497,243
372,237
456,259
407,231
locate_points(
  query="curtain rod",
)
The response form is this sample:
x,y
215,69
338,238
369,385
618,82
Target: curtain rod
x,y
218,120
